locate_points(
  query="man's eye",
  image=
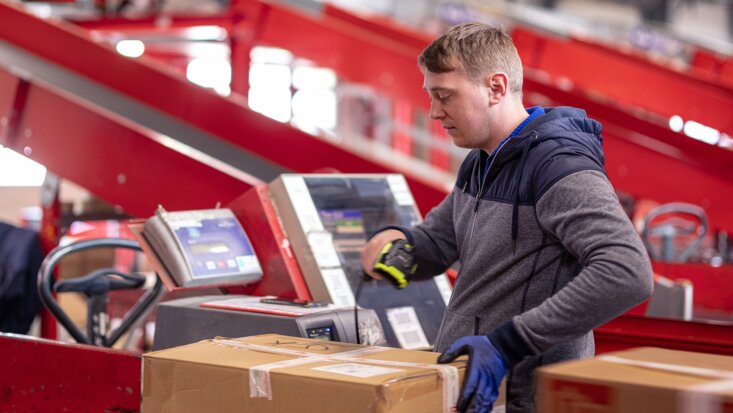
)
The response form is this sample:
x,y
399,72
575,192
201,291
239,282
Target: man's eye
x,y
443,98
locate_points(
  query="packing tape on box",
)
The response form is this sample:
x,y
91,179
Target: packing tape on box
x,y
259,376
700,398
704,398
672,368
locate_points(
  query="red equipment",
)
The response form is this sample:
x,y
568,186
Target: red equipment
x,y
365,50
154,138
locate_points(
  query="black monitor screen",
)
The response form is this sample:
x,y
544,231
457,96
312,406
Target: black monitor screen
x,y
352,209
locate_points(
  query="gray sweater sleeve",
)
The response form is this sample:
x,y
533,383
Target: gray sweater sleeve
x,y
582,212
435,240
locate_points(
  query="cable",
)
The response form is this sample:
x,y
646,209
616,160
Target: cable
x,y
359,285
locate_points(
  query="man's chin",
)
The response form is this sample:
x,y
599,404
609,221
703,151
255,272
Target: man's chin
x,y
461,143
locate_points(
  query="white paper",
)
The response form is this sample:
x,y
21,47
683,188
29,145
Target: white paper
x,y
338,287
321,244
443,284
305,210
400,190
407,328
357,370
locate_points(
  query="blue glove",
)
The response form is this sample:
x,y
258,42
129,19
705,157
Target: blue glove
x,y
486,368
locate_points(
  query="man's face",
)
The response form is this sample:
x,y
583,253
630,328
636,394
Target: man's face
x,y
462,107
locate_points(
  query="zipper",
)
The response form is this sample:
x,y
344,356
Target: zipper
x,y
479,194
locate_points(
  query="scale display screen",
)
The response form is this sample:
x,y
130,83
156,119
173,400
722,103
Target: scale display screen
x,y
321,333
203,247
216,246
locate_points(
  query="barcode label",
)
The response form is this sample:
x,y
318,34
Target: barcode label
x,y
344,300
400,190
407,328
411,336
444,287
338,286
357,370
321,243
402,319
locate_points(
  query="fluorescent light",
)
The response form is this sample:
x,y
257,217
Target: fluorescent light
x,y
130,48
315,108
313,77
273,103
701,132
269,92
213,73
260,54
210,33
676,123
725,141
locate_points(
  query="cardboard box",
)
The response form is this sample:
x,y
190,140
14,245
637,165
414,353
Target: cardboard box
x,y
643,380
274,373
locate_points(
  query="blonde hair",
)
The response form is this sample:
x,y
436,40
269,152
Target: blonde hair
x,y
476,49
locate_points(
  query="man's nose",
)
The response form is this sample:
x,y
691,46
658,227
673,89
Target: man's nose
x,y
436,112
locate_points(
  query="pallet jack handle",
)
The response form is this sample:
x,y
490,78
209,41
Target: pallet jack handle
x,y
95,286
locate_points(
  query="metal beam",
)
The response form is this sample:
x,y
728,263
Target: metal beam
x,y
627,79
120,161
156,99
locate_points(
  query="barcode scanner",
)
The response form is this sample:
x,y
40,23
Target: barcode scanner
x,y
395,263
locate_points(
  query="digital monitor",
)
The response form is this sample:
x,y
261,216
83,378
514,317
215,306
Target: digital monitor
x,y
203,247
328,219
321,333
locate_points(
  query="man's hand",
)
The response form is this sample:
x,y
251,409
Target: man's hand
x,y
370,252
486,368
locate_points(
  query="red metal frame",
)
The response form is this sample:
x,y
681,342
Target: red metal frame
x,y
362,50
282,276
630,331
644,157
439,154
711,284
628,78
49,235
157,87
402,141
15,108
642,154
381,25
152,173
47,376
712,66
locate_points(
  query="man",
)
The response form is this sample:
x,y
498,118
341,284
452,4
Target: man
x,y
546,251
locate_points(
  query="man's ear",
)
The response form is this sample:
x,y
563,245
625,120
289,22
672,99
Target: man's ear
x,y
498,84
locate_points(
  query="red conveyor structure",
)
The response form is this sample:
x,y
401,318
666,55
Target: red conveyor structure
x,y
627,79
137,135
644,157
712,66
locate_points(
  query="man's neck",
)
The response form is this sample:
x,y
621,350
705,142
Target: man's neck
x,y
507,121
